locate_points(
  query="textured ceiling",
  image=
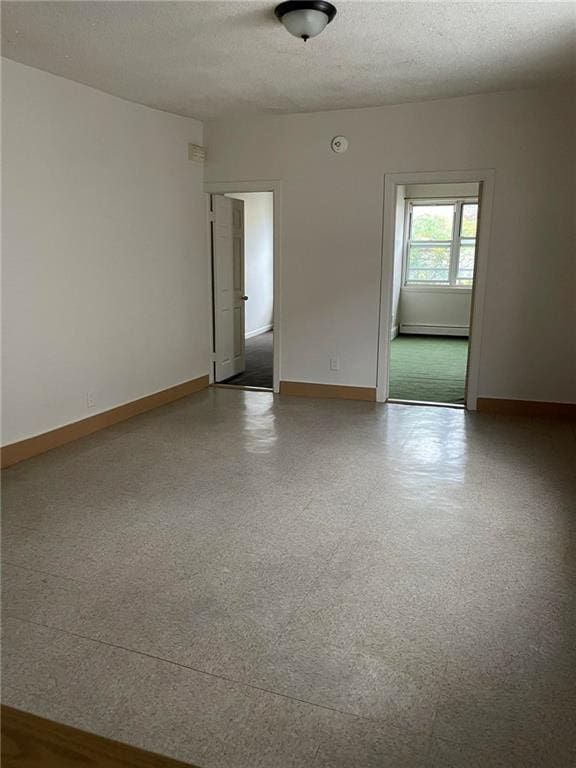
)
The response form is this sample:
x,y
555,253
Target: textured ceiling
x,y
205,59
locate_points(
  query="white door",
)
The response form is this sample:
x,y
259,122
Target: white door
x,y
229,298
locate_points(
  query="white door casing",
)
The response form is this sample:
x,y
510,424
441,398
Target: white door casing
x,y
228,266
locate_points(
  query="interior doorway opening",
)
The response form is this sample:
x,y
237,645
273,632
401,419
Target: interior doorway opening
x,y
435,248
434,256
242,263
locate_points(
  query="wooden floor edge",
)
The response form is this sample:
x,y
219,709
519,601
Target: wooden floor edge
x,y
307,389
33,446
527,408
29,741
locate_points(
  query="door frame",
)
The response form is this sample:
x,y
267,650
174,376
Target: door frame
x,y
486,179
226,187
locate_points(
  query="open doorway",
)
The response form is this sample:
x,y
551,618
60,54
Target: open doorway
x,y
434,266
434,280
242,261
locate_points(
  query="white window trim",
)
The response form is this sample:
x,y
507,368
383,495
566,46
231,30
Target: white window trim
x,y
436,288
454,244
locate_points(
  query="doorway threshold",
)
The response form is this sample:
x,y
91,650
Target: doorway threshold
x,y
397,401
242,386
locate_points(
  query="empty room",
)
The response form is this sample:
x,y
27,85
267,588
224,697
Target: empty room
x,y
288,384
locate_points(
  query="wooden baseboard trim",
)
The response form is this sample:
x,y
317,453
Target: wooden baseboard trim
x,y
29,741
305,389
527,408
26,449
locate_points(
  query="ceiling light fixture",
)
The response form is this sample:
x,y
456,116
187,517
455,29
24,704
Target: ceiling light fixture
x,y
305,19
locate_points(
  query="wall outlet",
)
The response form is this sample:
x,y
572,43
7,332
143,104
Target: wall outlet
x,y
90,399
334,363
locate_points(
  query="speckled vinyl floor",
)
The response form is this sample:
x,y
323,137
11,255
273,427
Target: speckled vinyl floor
x,y
240,580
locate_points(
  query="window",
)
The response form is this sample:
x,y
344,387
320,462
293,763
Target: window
x,y
441,243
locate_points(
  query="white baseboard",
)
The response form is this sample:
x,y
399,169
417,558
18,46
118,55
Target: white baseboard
x,y
437,330
393,332
259,331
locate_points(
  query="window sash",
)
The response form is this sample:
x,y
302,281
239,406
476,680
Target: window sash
x,y
421,267
454,244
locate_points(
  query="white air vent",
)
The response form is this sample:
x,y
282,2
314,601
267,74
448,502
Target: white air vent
x,y
196,153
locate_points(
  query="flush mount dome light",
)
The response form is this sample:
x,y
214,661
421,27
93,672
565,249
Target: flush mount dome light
x,y
305,19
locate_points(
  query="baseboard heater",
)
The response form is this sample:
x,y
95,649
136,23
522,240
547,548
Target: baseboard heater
x,y
440,330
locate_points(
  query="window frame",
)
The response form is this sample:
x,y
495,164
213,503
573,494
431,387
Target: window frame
x,y
454,244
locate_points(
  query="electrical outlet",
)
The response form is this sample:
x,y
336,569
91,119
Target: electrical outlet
x,y
334,363
90,399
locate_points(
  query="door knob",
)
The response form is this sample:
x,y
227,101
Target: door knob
x,y
244,298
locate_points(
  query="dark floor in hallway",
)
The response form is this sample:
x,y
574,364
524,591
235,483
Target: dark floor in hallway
x,y
259,363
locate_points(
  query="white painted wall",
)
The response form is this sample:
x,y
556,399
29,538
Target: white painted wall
x,y
104,265
332,227
427,191
258,259
435,307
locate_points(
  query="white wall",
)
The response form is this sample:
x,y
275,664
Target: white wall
x,y
435,307
332,227
104,268
258,259
427,191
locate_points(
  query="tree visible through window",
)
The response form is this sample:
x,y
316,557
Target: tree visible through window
x,y
441,243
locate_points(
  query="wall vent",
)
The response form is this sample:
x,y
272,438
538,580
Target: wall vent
x,y
196,153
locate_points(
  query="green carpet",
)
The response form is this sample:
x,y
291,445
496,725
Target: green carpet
x,y
429,368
